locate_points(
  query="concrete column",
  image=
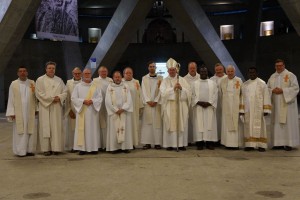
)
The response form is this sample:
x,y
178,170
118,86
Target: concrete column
x,y
251,30
121,29
292,10
192,18
13,26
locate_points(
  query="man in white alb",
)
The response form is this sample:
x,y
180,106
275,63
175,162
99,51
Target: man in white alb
x,y
21,109
176,97
231,136
284,87
135,91
204,104
191,77
87,100
151,131
217,78
70,112
119,108
256,104
103,81
51,93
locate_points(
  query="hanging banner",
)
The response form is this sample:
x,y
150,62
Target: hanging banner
x,y
57,20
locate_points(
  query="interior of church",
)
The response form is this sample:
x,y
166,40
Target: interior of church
x,y
129,33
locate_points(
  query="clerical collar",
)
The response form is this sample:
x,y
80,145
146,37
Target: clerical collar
x,y
22,80
153,76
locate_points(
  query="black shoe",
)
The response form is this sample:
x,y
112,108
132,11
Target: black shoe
x,y
55,153
182,148
73,151
116,151
232,148
210,145
126,151
278,147
170,149
288,148
260,149
29,154
248,148
147,146
94,152
200,145
101,149
81,153
157,147
47,153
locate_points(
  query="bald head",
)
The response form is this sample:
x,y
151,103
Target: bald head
x,y
230,71
192,67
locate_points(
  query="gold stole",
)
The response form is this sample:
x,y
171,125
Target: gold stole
x,y
174,112
81,141
148,109
18,107
232,117
283,106
119,120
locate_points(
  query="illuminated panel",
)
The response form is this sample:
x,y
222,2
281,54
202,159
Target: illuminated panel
x,y
227,32
267,28
161,69
94,35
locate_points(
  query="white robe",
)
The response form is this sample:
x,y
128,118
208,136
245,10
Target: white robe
x,y
191,79
23,142
285,125
255,102
122,101
168,96
151,130
231,135
218,80
204,119
103,84
51,133
70,123
91,117
135,91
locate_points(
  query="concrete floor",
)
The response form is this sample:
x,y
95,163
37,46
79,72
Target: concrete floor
x,y
151,174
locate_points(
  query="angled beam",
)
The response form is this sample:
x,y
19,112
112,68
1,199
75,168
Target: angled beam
x,y
13,26
126,20
191,17
292,10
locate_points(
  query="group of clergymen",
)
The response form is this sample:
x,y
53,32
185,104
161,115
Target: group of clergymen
x,y
118,114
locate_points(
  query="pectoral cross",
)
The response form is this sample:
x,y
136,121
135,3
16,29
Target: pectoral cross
x,y
237,85
286,78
